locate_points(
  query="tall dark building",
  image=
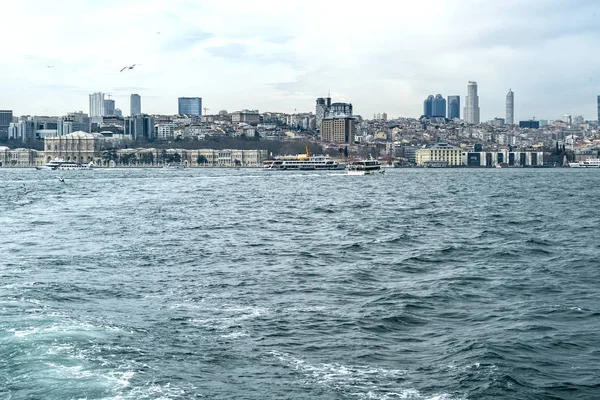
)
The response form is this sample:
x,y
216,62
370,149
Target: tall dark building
x,y
438,108
135,105
109,108
598,109
190,105
454,107
6,117
531,124
428,106
140,127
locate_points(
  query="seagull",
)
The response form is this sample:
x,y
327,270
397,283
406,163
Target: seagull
x,y
128,67
50,66
60,178
158,33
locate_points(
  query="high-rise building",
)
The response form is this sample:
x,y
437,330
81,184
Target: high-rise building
x,y
339,125
109,108
140,127
190,106
164,131
438,108
598,109
6,118
510,107
73,122
471,111
96,105
135,105
320,110
428,106
454,107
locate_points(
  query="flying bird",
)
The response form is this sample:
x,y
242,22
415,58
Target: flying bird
x,y
128,67
60,178
50,66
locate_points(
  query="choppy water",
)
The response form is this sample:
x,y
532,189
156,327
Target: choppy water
x,y
247,284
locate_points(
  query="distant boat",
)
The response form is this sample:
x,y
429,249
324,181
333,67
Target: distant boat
x,y
302,162
60,164
364,167
589,163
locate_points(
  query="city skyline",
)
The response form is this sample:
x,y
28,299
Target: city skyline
x,y
183,47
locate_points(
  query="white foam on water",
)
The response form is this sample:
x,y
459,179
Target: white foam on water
x,y
358,381
24,332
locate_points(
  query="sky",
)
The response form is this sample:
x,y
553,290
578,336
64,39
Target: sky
x,y
273,55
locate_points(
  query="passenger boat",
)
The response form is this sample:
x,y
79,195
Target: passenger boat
x,y
364,167
60,164
302,162
589,163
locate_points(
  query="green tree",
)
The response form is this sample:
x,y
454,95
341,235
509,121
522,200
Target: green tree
x,y
201,160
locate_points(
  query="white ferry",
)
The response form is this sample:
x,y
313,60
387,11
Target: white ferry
x,y
589,163
60,164
302,162
364,167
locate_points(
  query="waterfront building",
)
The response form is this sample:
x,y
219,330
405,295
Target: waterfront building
x,y
439,154
81,147
6,118
339,125
190,106
510,108
428,106
454,107
503,157
140,127
438,107
471,111
135,105
109,108
246,116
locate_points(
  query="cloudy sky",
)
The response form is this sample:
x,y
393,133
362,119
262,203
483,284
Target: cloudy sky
x,y
273,55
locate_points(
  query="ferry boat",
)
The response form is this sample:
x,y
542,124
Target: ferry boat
x,y
302,162
364,167
60,164
589,163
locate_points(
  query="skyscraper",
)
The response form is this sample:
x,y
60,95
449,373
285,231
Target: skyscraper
x,y
320,111
96,104
109,108
454,107
438,108
428,106
598,109
6,118
190,106
471,111
135,105
510,108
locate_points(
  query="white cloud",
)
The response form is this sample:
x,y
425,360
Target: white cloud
x,y
274,55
